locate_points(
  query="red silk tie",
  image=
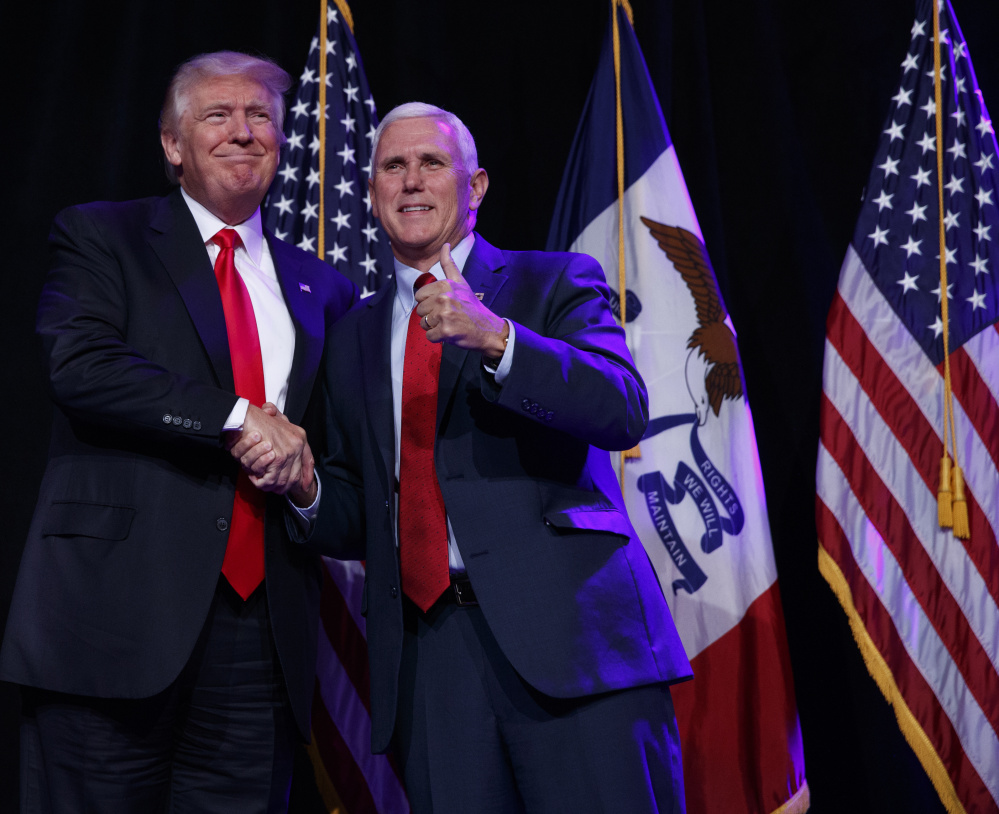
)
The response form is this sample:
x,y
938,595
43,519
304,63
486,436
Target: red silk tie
x,y
243,565
422,519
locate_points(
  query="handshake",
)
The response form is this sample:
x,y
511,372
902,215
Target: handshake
x,y
275,454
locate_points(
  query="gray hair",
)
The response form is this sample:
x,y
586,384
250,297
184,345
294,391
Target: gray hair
x,y
419,110
274,79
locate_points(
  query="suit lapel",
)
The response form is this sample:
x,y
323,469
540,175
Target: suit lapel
x,y
174,237
298,281
482,273
376,375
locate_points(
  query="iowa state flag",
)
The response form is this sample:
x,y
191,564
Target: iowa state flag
x,y
694,493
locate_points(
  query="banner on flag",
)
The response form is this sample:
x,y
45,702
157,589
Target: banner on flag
x,y
319,201
923,605
693,489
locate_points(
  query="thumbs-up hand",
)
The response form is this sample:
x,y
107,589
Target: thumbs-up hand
x,y
450,312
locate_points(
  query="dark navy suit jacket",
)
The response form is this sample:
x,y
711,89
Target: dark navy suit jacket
x,y
126,545
562,579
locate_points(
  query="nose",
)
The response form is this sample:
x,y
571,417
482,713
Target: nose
x,y
413,179
239,129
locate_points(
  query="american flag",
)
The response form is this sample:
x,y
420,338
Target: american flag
x,y
349,778
923,604
354,243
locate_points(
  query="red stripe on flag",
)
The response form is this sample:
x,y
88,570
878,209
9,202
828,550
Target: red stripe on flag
x,y
342,769
345,638
351,648
919,697
920,572
760,765
908,424
977,401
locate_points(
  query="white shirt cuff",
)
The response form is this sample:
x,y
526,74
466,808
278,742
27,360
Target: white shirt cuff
x,y
306,518
237,416
505,362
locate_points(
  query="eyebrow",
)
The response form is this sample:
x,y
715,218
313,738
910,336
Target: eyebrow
x,y
398,159
253,104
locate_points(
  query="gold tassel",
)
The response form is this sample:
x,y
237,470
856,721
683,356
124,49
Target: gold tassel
x,y
961,526
634,452
945,515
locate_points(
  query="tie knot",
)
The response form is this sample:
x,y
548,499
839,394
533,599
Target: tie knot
x,y
424,279
226,238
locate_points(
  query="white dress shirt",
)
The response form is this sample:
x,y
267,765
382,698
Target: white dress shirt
x,y
274,324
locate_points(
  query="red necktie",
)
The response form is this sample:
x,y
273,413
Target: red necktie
x,y
243,565
422,520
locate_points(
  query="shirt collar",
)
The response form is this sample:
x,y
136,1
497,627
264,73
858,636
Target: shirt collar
x,y
405,276
250,231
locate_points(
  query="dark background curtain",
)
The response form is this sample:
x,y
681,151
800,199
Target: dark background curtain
x,y
775,108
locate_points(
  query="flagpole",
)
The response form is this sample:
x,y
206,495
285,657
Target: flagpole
x,y
323,33
952,509
619,115
621,278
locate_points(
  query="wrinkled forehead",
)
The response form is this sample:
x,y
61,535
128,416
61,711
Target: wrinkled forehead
x,y
229,91
418,134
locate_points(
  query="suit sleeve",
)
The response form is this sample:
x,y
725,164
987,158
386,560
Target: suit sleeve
x,y
572,370
112,357
339,528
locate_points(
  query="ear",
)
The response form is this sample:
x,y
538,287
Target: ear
x,y
171,147
479,184
371,194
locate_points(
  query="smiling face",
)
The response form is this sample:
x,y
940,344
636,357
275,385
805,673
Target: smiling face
x,y
226,146
420,191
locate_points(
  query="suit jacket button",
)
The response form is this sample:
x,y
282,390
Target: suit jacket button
x,y
187,423
550,416
177,420
197,425
222,524
525,405
394,592
167,418
534,408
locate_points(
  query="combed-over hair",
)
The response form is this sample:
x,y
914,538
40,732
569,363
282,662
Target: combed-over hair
x,y
197,69
419,110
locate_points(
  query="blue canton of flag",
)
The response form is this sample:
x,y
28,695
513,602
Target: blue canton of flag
x,y
897,232
354,242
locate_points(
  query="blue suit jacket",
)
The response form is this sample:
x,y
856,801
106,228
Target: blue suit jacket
x,y
562,579
128,536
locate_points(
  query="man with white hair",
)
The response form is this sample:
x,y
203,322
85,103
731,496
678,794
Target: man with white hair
x,y
520,645
163,627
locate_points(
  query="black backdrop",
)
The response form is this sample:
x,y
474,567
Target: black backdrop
x,y
775,108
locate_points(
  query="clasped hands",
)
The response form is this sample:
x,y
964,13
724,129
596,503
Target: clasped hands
x,y
275,454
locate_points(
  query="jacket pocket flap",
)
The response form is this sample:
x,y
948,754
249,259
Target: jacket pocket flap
x,y
74,519
587,518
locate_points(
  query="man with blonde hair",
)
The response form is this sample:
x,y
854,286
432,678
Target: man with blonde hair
x,y
163,627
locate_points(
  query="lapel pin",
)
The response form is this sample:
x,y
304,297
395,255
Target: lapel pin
x,y
305,288
480,294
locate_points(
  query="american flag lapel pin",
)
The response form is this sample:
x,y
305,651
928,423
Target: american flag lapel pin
x,y
480,294
305,288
